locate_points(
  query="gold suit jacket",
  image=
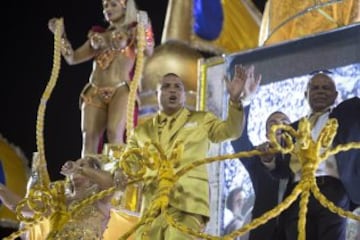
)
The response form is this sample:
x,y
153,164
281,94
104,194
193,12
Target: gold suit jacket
x,y
195,129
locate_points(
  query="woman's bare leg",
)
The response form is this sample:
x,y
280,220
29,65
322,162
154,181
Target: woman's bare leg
x,y
93,124
116,123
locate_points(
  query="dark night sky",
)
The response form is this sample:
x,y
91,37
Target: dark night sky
x,y
27,66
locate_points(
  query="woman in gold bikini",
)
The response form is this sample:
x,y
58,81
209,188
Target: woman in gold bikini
x,y
113,50
85,178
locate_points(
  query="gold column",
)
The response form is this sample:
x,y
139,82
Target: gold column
x,y
178,21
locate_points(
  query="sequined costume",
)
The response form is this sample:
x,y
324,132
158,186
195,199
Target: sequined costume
x,y
88,223
99,96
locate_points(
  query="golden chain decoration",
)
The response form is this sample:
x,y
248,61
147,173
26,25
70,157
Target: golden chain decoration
x,y
306,150
45,203
152,157
41,193
139,66
47,93
59,214
136,162
36,196
37,201
90,200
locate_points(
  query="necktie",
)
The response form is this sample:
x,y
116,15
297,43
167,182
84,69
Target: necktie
x,y
295,165
164,130
314,117
294,162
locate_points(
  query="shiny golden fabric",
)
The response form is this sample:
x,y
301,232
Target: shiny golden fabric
x,y
85,224
291,19
194,130
119,223
39,231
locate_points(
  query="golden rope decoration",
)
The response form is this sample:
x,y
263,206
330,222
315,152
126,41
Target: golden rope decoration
x,y
47,93
139,66
135,162
307,151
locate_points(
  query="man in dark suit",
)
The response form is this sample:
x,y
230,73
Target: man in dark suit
x,y
338,176
266,187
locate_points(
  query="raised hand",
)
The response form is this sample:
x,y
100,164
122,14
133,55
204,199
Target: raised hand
x,y
264,147
236,86
68,168
52,26
244,84
252,83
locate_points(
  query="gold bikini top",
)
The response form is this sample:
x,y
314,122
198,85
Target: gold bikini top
x,y
88,223
105,57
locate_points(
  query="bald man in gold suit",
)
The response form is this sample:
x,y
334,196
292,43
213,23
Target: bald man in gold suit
x,y
189,200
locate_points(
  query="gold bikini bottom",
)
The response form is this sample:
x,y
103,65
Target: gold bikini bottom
x,y
99,97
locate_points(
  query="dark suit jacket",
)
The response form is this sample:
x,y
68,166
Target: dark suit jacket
x,y
347,114
265,186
